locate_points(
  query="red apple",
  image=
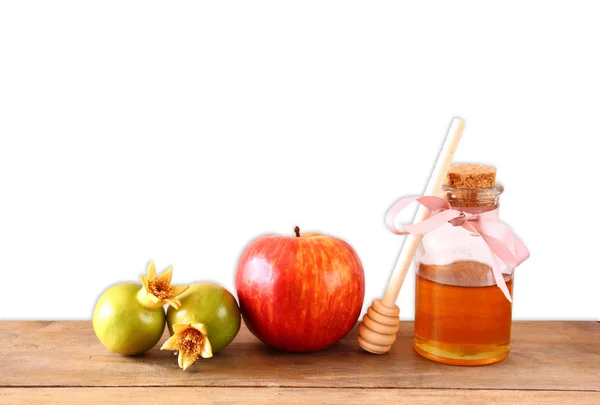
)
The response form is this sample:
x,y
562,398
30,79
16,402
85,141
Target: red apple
x,y
300,293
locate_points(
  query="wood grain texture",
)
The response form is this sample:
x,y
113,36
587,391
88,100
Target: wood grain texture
x,y
296,396
556,356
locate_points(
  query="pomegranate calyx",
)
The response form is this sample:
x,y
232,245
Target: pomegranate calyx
x,y
190,342
158,290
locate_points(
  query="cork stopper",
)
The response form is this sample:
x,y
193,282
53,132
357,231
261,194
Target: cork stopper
x,y
470,176
472,187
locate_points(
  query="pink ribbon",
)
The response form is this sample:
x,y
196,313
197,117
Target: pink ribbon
x,y
500,239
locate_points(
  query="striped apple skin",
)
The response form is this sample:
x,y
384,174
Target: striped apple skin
x,y
300,294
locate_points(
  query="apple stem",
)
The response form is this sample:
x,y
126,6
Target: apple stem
x,y
297,230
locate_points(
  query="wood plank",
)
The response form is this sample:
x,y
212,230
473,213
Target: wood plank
x,y
184,395
545,356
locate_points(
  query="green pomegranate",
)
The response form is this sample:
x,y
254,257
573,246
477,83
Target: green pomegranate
x,y
129,318
206,322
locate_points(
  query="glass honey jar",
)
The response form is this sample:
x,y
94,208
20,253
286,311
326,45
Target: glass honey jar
x,y
462,317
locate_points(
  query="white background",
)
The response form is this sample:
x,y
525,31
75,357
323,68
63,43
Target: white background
x,y
178,132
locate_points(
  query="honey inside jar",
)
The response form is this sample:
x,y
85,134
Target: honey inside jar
x,y
462,317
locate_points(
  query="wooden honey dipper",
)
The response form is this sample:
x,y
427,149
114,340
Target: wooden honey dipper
x,y
377,331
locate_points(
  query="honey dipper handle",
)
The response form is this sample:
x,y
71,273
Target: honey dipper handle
x,y
433,188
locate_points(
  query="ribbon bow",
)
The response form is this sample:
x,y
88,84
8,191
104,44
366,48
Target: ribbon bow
x,y
500,239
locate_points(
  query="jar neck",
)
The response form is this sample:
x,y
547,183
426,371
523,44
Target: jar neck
x,y
473,200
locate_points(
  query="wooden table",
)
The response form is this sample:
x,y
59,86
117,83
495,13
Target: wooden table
x,y
63,363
